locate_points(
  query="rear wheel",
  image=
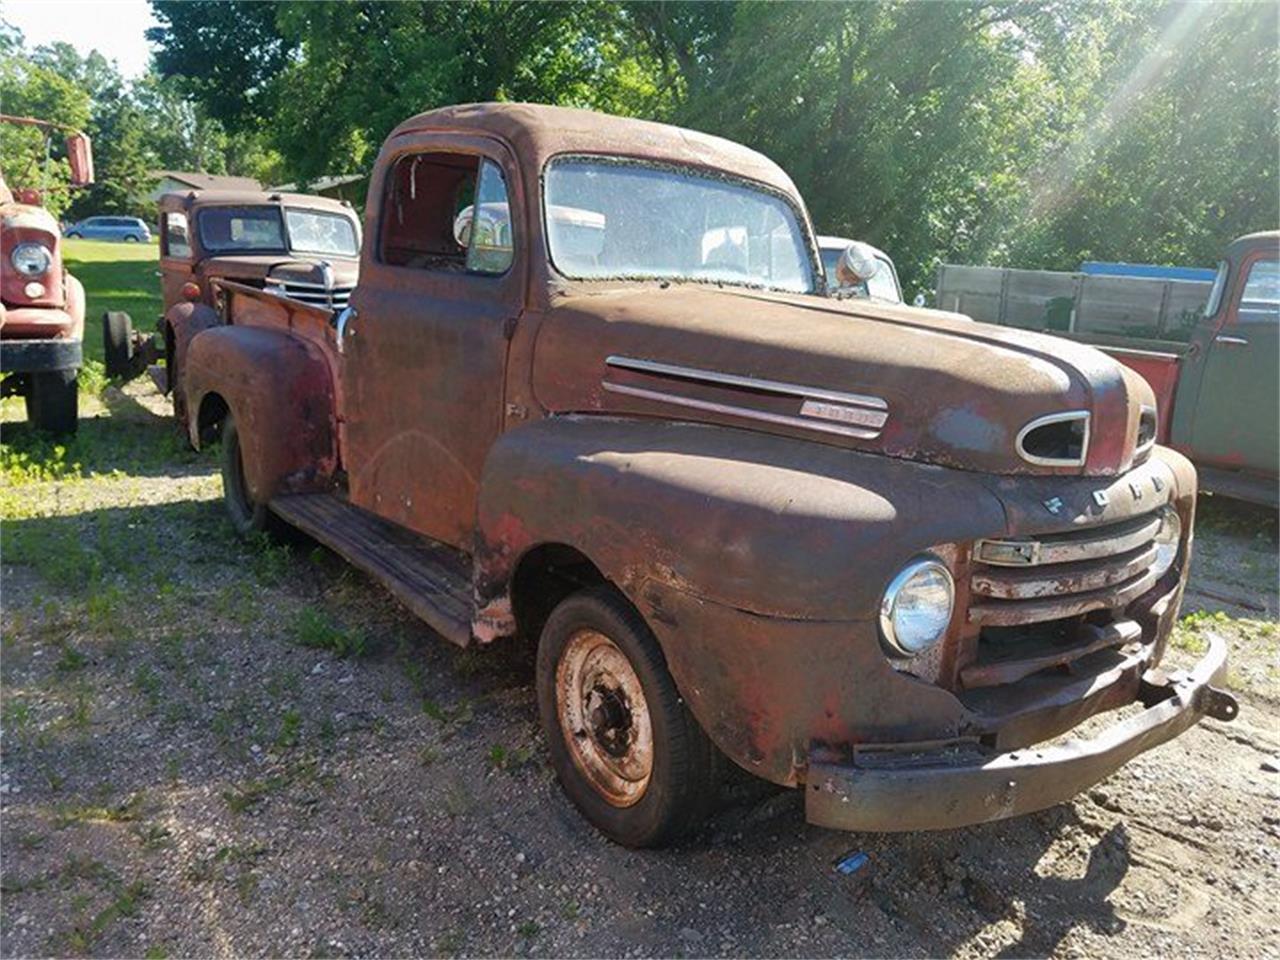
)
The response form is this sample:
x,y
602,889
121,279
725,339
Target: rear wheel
x,y
117,342
130,238
53,401
247,516
626,749
73,236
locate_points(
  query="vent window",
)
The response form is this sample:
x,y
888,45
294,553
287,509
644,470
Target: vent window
x,y
1058,440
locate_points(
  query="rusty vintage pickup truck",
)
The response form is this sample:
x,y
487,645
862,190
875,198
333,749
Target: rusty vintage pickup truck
x,y
583,397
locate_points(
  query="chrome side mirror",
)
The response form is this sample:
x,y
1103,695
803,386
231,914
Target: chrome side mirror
x,y
857,264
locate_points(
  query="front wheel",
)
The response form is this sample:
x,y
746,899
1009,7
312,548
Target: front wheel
x,y
53,401
626,749
73,236
247,516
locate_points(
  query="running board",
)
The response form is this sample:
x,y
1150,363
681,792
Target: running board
x,y
431,579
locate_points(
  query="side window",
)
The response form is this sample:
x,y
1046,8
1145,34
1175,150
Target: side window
x,y
176,243
445,211
1261,297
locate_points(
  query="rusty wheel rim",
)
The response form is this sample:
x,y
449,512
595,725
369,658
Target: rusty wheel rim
x,y
604,717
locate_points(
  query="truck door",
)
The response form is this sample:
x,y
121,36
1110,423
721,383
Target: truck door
x,y
1238,404
425,352
175,256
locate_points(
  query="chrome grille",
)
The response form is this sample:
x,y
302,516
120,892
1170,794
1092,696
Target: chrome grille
x,y
1035,579
315,294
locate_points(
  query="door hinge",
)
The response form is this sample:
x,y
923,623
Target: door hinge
x,y
509,327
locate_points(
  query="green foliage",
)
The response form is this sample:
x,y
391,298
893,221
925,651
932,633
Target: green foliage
x,y
1030,134
314,629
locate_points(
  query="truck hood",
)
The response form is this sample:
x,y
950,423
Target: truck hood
x,y
292,267
918,384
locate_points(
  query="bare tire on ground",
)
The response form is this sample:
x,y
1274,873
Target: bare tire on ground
x,y
53,401
247,516
117,342
626,749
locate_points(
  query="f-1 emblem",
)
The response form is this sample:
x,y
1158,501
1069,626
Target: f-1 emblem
x,y
1054,505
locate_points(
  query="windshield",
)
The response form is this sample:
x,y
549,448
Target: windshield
x,y
223,229
311,231
241,228
611,219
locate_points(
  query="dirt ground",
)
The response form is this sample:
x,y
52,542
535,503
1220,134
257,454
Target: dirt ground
x,y
218,749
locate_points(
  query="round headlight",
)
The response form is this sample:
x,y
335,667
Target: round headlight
x,y
917,606
1167,540
31,259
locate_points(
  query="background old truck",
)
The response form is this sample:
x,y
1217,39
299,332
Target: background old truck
x,y
290,244
1209,349
41,304
868,550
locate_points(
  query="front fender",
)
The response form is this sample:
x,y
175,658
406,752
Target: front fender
x,y
759,562
770,525
281,393
182,322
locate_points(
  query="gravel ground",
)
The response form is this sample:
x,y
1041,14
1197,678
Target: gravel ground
x,y
217,749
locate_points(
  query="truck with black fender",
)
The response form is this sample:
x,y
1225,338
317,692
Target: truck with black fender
x,y
584,397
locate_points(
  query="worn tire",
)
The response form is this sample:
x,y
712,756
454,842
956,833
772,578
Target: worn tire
x,y
685,767
53,401
117,343
247,517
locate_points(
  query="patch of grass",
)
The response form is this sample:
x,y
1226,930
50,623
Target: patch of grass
x,y
312,628
244,797
71,660
271,560
290,730
529,929
127,902
147,682
152,836
127,811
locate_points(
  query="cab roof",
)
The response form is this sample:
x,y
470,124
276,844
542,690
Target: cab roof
x,y
536,132
187,199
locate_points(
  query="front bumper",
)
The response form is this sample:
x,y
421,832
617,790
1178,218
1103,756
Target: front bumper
x,y
39,356
932,786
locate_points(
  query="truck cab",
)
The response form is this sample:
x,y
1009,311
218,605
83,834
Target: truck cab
x,y
584,398
290,244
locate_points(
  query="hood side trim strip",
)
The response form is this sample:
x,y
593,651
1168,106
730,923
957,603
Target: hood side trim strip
x,y
750,383
745,412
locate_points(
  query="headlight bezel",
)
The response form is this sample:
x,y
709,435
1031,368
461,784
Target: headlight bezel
x,y
922,566
17,257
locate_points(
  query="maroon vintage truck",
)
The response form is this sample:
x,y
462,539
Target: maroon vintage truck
x,y
584,397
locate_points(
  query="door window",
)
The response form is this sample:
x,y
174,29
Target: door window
x,y
446,212
1261,297
176,242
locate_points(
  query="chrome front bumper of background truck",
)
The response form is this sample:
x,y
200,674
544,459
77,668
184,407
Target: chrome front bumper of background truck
x,y
931,786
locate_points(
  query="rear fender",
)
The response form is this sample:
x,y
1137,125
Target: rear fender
x,y
281,393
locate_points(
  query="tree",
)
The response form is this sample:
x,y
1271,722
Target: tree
x,y
30,90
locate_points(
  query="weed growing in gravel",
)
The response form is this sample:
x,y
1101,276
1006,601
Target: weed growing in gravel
x,y
529,929
244,797
311,628
126,904
127,811
290,730
70,660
